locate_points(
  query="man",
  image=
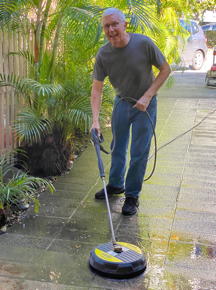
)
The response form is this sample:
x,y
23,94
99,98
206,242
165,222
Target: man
x,y
127,60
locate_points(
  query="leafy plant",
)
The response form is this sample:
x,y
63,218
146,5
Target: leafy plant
x,y
15,187
48,106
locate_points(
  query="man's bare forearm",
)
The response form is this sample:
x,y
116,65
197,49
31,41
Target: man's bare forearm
x,y
143,102
159,80
96,95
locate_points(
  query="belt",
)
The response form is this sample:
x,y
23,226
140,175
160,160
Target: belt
x,y
126,99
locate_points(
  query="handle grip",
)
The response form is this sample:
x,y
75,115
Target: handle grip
x,y
96,141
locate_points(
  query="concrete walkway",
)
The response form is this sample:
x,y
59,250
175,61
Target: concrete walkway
x,y
175,226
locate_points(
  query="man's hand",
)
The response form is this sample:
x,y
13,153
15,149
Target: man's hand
x,y
96,125
142,103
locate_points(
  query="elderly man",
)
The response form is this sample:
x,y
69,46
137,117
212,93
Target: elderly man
x,y
127,60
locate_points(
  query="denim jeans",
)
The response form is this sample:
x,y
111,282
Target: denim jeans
x,y
124,119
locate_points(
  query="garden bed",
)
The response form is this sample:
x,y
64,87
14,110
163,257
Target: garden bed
x,y
14,213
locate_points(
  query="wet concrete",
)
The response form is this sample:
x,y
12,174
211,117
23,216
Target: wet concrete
x,y
175,225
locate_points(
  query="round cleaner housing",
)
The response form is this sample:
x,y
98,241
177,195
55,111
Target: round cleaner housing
x,y
126,264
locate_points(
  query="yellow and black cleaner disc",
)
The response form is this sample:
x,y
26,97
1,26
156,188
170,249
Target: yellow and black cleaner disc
x,y
129,263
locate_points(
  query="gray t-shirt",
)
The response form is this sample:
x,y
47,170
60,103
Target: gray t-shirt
x,y
129,68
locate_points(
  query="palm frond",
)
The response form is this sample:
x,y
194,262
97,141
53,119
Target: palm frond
x,y
31,127
25,85
42,89
24,53
6,10
80,114
83,24
18,185
11,12
80,119
142,16
5,167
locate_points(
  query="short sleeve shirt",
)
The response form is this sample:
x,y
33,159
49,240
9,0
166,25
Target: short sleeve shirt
x,y
129,68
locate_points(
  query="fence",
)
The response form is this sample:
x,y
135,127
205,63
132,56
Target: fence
x,y
10,64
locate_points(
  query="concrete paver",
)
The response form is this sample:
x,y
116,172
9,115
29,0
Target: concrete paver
x,y
175,226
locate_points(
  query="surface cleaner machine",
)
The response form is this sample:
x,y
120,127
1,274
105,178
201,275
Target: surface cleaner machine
x,y
114,259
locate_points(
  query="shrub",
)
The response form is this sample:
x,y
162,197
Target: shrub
x,y
16,186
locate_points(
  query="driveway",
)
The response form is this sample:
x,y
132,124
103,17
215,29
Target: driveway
x,y
175,226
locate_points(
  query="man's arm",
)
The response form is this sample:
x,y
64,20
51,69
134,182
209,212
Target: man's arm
x,y
96,94
143,102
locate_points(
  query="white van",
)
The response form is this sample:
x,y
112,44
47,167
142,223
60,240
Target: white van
x,y
195,49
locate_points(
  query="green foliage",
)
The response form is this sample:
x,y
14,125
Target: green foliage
x,y
49,105
58,86
33,91
31,127
199,7
26,54
10,13
15,187
7,8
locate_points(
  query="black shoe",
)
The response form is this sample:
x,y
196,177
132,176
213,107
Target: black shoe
x,y
110,191
130,206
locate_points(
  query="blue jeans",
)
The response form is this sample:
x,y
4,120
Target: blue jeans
x,y
125,117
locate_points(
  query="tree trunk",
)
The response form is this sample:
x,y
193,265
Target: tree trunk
x,y
37,40
44,22
55,46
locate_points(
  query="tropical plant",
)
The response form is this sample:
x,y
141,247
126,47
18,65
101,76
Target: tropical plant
x,y
56,92
18,186
51,118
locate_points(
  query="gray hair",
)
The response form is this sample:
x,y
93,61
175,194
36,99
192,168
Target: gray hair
x,y
111,11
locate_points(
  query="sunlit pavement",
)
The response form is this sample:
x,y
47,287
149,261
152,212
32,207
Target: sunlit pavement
x,y
175,226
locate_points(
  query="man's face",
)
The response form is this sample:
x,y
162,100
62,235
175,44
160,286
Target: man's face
x,y
114,28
